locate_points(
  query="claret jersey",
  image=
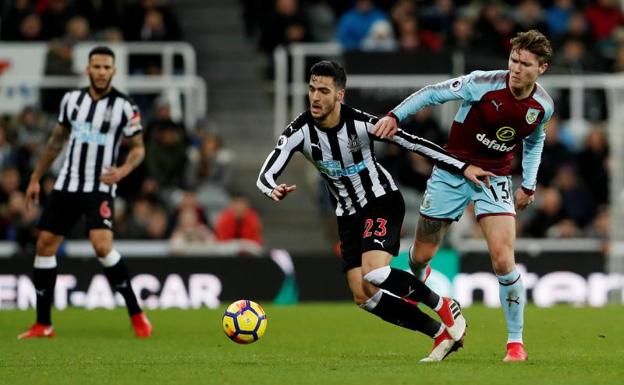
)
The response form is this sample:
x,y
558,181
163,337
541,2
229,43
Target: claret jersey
x,y
491,123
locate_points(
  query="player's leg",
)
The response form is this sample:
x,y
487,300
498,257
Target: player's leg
x,y
100,224
58,216
44,279
499,231
496,215
119,279
429,235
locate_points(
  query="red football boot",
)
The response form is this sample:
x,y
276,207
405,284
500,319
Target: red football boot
x,y
515,352
443,345
38,331
141,325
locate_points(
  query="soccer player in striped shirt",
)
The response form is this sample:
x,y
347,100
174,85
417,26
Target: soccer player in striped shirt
x,y
93,119
500,110
337,140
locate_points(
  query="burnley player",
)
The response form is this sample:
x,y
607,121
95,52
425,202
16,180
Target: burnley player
x,y
500,110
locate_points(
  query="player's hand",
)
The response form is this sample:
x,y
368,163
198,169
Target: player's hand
x,y
112,175
280,191
385,127
476,175
522,199
32,194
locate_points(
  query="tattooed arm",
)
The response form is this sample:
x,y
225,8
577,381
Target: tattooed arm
x,y
53,148
112,175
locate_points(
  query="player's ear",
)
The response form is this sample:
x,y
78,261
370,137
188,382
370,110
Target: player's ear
x,y
543,68
341,94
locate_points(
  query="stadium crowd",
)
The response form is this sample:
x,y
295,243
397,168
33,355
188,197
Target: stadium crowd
x,y
158,201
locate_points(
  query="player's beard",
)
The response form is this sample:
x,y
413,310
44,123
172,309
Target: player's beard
x,y
325,113
97,89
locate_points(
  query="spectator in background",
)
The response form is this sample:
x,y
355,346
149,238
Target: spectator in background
x,y
439,17
214,165
592,162
55,14
11,27
7,152
30,128
576,201
239,221
190,231
31,29
146,20
323,28
9,183
603,17
354,25
529,15
462,36
548,213
557,16
166,154
555,153
287,24
380,37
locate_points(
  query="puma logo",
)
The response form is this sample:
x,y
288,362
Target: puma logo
x,y
40,292
108,223
511,300
380,242
496,105
315,145
122,285
409,291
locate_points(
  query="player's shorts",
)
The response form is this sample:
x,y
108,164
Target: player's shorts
x,y
63,209
448,194
376,227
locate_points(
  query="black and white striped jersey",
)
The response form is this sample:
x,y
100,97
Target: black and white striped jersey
x,y
345,158
96,130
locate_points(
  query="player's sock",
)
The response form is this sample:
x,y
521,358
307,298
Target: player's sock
x,y
399,312
117,274
44,276
512,297
404,285
419,269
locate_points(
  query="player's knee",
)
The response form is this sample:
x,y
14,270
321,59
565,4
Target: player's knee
x,y
46,245
102,249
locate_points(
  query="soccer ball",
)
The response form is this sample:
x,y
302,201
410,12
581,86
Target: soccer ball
x,y
244,321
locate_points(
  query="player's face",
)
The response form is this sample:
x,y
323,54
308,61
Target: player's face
x,y
101,70
524,69
323,96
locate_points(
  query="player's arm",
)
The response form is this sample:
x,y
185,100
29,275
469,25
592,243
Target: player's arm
x,y
275,163
452,89
531,157
432,151
136,154
52,149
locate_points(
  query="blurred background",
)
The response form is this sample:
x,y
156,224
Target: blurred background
x,y
217,81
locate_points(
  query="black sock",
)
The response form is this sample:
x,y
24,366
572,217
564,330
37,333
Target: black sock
x,y
400,312
405,285
119,280
44,280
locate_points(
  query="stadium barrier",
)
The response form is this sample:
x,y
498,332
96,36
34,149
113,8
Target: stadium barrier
x,y
550,276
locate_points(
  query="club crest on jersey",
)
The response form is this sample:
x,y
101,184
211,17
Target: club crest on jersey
x,y
354,144
531,115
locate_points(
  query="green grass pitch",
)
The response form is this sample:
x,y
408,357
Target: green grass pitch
x,y
310,344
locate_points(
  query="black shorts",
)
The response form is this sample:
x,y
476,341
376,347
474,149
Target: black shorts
x,y
376,227
64,209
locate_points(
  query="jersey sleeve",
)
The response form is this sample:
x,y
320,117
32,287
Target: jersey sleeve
x,y
532,154
288,143
425,148
133,116
453,89
63,117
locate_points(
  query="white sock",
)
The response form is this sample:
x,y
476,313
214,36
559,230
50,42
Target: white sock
x,y
439,305
378,276
111,259
42,262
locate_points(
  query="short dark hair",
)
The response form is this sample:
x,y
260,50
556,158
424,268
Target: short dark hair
x,y
102,50
535,42
332,69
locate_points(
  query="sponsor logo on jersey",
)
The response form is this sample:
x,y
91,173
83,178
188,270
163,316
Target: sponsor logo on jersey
x,y
456,85
333,168
531,115
494,144
354,144
505,134
81,131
